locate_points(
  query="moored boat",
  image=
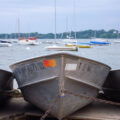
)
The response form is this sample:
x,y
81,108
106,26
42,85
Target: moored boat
x,y
111,86
70,45
70,40
99,41
80,45
84,46
42,79
28,41
116,41
4,43
62,48
6,84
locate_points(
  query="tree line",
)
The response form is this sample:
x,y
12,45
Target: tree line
x,y
86,34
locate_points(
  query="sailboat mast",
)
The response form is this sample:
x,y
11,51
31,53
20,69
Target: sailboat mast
x,y
55,20
117,34
67,28
74,16
18,28
95,34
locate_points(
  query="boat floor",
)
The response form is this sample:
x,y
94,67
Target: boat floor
x,y
19,109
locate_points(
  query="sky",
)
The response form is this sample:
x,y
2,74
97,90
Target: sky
x,y
76,15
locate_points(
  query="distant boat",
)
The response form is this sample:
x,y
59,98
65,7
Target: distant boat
x,y
99,41
4,43
111,87
70,40
42,79
80,45
83,45
48,42
117,41
62,48
59,48
70,45
28,41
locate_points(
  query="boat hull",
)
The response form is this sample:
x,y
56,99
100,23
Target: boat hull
x,y
6,84
41,79
111,86
57,48
83,46
28,42
99,43
79,46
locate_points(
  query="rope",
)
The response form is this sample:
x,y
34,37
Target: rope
x,y
91,98
50,107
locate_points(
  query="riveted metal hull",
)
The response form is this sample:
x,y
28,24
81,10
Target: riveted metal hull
x,y
41,79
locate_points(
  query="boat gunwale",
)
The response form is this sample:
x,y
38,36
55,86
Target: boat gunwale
x,y
55,54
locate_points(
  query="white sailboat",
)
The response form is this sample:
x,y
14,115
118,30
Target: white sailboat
x,y
4,43
69,39
98,41
60,48
26,40
118,39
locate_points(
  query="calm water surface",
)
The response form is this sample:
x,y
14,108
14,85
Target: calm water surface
x,y
109,55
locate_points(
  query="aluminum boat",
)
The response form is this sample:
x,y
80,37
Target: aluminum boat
x,y
42,79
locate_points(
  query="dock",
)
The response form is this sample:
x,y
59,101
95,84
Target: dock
x,y
19,109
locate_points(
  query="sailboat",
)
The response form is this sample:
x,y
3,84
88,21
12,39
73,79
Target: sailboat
x,y
74,42
69,38
118,39
79,45
26,40
98,41
5,42
60,48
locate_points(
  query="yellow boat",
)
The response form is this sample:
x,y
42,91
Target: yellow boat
x,y
79,46
70,45
84,46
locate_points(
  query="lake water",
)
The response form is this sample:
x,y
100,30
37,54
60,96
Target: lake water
x,y
109,55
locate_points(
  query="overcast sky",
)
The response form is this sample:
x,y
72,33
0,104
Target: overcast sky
x,y
38,15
